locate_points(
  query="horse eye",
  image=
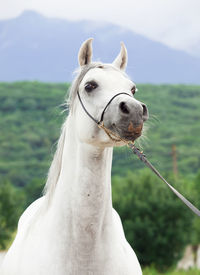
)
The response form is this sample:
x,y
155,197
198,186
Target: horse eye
x,y
90,86
133,90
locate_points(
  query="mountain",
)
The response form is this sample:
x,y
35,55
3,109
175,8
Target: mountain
x,y
33,47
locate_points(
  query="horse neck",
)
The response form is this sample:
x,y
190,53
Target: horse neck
x,y
82,197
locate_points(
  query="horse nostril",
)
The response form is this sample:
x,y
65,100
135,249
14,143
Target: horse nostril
x,y
145,114
124,108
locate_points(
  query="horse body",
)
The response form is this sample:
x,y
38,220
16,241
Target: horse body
x,y
73,229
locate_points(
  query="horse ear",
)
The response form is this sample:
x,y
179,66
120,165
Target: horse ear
x,y
121,60
85,52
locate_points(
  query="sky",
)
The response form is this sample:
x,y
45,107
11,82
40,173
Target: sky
x,y
176,23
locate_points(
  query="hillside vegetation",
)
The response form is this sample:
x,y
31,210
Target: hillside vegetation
x,y
30,120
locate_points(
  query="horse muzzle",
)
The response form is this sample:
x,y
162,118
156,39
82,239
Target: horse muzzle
x,y
125,118
127,132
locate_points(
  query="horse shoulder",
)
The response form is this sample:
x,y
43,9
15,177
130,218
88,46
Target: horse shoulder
x,y
30,212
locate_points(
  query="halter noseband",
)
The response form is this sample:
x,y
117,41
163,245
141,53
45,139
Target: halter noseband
x,y
99,122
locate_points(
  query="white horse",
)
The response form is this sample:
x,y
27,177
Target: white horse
x,y
73,229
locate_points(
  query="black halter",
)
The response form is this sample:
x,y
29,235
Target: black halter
x,y
98,122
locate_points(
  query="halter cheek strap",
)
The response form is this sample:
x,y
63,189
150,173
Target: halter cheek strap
x,y
104,110
95,120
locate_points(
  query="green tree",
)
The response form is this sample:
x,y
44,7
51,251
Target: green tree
x,y
156,223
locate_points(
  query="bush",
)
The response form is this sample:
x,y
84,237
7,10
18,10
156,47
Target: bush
x,y
156,223
153,271
11,204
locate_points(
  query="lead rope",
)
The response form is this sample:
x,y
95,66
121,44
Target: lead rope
x,y
114,137
143,158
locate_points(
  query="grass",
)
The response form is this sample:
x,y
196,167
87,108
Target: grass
x,y
153,271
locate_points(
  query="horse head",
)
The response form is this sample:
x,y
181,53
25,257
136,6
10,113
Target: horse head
x,y
106,95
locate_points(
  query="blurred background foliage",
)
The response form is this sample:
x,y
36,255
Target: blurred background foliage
x,y
156,223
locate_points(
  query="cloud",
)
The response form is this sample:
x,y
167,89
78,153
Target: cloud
x,y
175,23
